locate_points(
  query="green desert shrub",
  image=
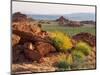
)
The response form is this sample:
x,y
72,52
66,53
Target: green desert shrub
x,y
78,59
61,41
83,47
62,64
78,55
65,61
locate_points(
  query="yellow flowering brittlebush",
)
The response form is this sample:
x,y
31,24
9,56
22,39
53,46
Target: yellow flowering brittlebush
x,y
61,41
83,47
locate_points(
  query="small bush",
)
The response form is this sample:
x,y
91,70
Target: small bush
x,y
78,55
65,61
62,64
83,47
61,41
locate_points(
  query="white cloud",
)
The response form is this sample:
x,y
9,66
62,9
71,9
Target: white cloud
x,y
42,8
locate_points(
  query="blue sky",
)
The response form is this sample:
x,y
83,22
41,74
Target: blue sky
x,y
41,8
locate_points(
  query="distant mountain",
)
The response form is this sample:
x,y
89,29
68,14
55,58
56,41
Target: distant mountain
x,y
73,16
81,16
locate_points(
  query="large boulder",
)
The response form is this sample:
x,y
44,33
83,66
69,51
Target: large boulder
x,y
16,52
38,50
16,17
87,37
44,48
25,36
32,27
30,52
29,37
15,39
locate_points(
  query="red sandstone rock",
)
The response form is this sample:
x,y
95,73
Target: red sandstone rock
x,y
44,48
87,37
37,51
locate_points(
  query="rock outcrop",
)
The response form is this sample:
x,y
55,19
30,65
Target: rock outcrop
x,y
18,17
66,22
38,50
62,20
29,41
44,48
87,37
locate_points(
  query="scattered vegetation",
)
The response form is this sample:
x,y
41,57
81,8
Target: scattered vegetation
x,y
74,59
63,65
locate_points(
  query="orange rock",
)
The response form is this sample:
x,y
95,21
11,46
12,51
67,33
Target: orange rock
x,y
15,39
44,48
